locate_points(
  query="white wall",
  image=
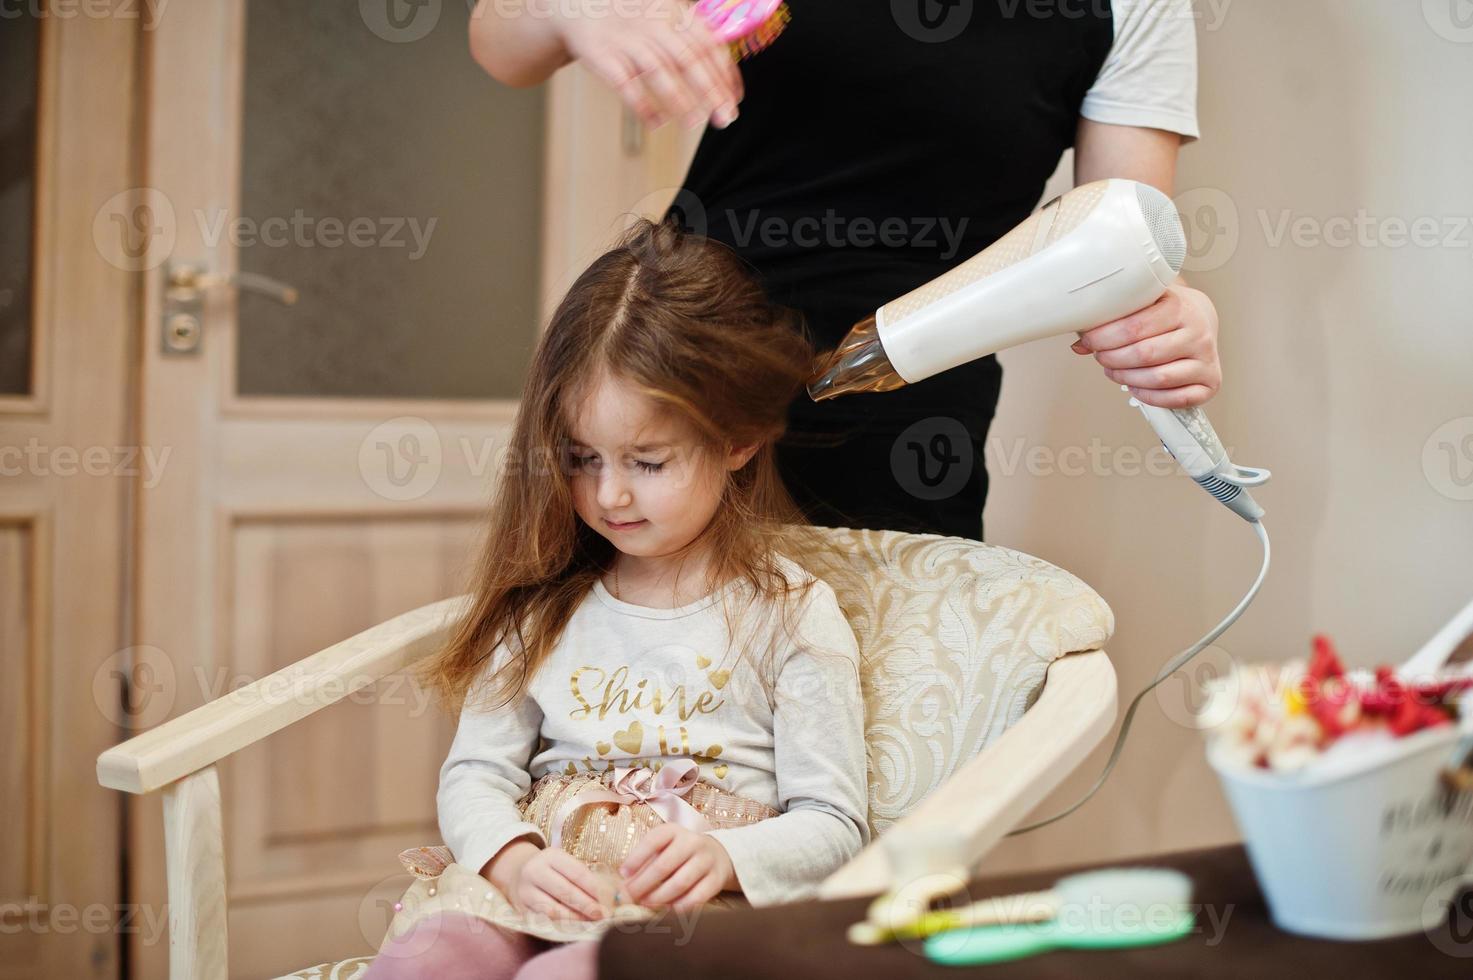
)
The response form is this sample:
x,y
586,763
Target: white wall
x,y
1340,364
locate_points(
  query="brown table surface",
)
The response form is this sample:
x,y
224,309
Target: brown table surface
x,y
1234,938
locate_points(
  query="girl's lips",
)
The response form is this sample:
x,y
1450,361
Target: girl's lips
x,y
623,527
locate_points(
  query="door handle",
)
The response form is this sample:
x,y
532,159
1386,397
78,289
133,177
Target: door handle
x,y
185,285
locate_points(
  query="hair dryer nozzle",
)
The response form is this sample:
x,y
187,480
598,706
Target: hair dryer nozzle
x,y
858,364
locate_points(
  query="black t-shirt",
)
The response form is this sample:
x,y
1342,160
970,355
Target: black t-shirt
x,y
879,145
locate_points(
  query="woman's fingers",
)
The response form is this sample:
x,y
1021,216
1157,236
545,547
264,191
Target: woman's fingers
x,y
1170,345
709,93
1166,354
1163,315
709,72
1173,375
1186,396
666,80
664,63
624,77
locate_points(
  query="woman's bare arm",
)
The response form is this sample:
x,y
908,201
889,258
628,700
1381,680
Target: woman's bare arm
x,y
516,44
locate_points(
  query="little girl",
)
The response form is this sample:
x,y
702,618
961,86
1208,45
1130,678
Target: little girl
x,y
658,706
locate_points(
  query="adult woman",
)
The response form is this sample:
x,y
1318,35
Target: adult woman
x,y
878,146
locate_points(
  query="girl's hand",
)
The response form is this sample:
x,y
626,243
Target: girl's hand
x,y
661,59
1166,353
674,866
554,883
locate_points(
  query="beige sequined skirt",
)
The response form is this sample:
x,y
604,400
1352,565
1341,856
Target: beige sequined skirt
x,y
601,834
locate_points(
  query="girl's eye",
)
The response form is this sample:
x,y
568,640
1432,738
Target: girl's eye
x,y
590,462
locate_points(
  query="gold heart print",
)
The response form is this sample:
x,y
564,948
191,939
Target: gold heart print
x,y
709,756
602,747
718,678
630,739
721,771
702,662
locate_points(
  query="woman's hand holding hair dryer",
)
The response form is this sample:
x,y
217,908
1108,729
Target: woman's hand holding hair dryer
x,y
1166,354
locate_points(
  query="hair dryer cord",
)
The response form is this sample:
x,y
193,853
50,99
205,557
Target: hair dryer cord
x,y
1171,667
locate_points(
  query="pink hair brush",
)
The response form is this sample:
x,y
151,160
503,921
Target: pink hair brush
x,y
747,26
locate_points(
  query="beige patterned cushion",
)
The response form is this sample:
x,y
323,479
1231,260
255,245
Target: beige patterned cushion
x,y
342,970
956,637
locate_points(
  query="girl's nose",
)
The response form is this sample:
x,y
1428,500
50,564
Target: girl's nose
x,y
612,492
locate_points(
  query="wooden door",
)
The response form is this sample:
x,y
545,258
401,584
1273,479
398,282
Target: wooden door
x,y
67,459
329,460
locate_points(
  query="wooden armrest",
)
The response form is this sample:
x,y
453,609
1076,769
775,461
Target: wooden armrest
x,y
958,823
201,737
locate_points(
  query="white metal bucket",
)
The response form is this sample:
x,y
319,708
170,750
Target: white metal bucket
x,y
1358,852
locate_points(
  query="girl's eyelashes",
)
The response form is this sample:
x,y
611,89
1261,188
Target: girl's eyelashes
x,y
588,462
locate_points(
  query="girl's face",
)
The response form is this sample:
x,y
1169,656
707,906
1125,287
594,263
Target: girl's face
x,y
641,479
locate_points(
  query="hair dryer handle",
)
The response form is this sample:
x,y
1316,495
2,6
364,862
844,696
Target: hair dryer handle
x,y
1190,439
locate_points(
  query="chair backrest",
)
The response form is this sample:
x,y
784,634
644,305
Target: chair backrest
x,y
956,638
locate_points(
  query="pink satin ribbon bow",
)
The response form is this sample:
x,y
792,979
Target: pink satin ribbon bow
x,y
664,790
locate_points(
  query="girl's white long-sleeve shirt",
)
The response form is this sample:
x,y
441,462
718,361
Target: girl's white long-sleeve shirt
x,y
631,685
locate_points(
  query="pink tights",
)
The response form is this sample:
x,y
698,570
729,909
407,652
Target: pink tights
x,y
461,947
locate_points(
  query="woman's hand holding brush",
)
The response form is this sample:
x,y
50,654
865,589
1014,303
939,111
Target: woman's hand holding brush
x,y
662,59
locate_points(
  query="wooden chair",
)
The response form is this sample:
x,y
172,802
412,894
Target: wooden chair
x,y
985,684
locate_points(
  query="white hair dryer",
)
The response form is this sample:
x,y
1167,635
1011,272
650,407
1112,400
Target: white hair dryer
x,y
1096,254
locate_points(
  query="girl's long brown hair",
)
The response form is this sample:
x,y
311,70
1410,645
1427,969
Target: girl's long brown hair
x,y
683,321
